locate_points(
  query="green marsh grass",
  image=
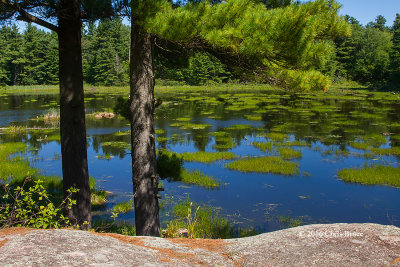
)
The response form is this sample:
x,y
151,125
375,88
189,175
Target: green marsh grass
x,y
123,133
116,144
105,156
198,178
161,139
288,153
360,146
201,221
111,226
16,170
207,157
253,117
14,130
239,127
278,137
225,143
190,126
265,165
291,143
157,131
123,207
7,149
263,146
394,151
372,175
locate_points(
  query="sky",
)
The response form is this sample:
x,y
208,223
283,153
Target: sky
x,y
367,10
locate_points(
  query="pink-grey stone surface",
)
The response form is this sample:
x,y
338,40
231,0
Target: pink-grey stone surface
x,y
311,245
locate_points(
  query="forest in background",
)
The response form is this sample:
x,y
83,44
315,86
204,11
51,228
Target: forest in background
x,y
370,56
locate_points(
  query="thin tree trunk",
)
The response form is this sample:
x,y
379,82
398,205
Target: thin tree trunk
x,y
144,169
72,113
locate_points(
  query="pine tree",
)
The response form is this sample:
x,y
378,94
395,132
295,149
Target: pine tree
x,y
284,40
395,52
109,46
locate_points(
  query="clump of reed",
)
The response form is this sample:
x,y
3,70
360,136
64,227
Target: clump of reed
x,y
263,146
265,165
372,175
207,157
288,153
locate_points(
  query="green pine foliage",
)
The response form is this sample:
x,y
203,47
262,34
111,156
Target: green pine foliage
x,y
395,52
294,38
106,53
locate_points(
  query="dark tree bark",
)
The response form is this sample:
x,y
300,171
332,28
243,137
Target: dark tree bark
x,y
72,112
144,169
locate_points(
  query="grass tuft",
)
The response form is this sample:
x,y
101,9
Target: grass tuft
x,y
372,175
265,165
207,157
288,153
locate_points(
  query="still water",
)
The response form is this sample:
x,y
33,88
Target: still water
x,y
327,124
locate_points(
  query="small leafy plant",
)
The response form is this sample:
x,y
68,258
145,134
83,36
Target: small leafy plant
x,y
30,206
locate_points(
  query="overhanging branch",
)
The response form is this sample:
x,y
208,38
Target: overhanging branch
x,y
25,16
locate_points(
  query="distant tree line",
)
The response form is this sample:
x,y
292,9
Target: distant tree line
x,y
371,55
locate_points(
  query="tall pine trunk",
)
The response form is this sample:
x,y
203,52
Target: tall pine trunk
x,y
72,112
144,169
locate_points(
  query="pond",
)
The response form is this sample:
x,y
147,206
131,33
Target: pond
x,y
317,135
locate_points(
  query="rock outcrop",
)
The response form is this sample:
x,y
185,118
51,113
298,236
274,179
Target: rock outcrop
x,y
311,245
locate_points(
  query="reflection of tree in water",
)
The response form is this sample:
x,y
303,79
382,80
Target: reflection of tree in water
x,y
116,145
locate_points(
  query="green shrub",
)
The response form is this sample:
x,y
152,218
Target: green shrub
x,y
30,206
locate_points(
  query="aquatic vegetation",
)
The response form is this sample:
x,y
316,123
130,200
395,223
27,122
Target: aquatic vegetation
x,y
289,222
253,117
219,134
169,165
53,137
264,146
14,130
224,143
7,149
279,137
123,133
157,131
207,157
105,156
111,226
16,170
99,198
395,151
288,153
194,221
192,126
51,115
291,143
372,175
374,140
360,146
198,178
265,165
116,144
123,207
238,127
161,139
184,119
